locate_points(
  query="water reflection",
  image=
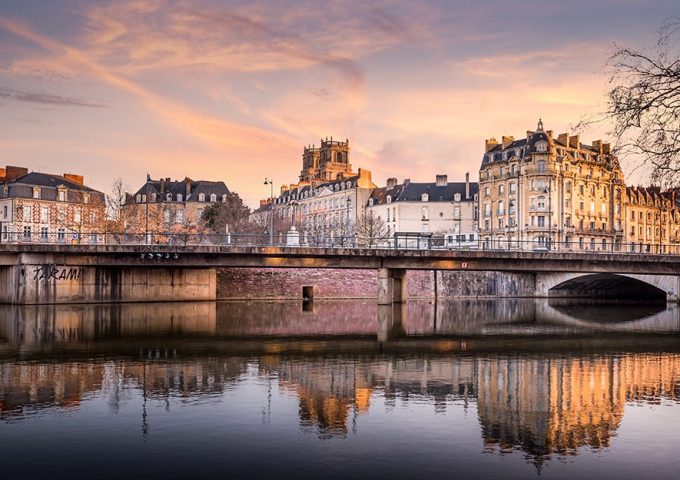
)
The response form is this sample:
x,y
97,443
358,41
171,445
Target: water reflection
x,y
340,364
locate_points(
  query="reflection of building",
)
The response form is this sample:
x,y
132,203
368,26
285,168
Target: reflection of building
x,y
540,190
40,207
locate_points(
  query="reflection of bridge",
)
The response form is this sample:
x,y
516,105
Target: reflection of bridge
x,y
82,273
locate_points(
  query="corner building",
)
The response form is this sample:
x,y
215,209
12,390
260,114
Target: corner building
x,y
540,193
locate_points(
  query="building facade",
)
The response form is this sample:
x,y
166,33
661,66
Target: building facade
x,y
411,211
652,220
171,206
541,192
41,207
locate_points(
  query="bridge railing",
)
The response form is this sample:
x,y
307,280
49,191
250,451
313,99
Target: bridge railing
x,y
400,241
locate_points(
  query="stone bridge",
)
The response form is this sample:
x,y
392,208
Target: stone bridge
x,y
101,273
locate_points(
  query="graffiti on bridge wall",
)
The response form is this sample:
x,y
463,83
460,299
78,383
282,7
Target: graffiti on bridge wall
x,y
53,272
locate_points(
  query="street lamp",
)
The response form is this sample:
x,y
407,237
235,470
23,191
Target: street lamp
x,y
146,228
349,202
270,182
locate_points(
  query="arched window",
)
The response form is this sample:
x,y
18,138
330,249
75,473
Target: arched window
x,y
138,198
213,197
224,198
168,197
180,198
540,166
153,197
339,157
201,197
389,199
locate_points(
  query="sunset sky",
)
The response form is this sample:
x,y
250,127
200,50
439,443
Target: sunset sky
x,y
230,90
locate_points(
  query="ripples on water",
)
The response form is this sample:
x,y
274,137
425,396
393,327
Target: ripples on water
x,y
488,389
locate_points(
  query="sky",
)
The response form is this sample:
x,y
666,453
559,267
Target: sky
x,y
233,90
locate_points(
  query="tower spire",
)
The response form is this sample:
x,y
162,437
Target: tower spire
x,y
539,128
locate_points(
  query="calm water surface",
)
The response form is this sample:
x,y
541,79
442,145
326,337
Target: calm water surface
x,y
474,389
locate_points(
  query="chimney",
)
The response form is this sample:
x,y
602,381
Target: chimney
x,y
162,186
187,185
79,179
467,185
442,180
490,144
563,138
606,148
507,141
549,133
14,172
284,188
597,146
391,183
263,203
575,142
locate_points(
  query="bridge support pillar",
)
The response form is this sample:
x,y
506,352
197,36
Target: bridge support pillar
x,y
391,321
391,286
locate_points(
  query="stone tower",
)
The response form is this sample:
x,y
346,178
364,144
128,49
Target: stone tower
x,y
326,163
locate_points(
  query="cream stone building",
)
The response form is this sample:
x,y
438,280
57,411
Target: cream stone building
x,y
652,223
171,206
46,208
412,211
541,192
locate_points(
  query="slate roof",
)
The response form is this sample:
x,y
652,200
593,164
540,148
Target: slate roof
x,y
39,179
413,192
176,187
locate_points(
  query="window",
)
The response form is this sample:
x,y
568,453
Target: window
x,y
201,197
27,232
143,198
388,214
62,196
567,187
61,234
425,213
632,214
487,209
501,207
389,199
487,191
77,215
168,197
224,198
4,211
456,212
501,189
592,207
456,197
540,166
36,192
541,146
425,197
541,203
603,208
541,221
513,187
581,205
28,213
86,198
44,233
44,214
581,189
179,215
370,202
180,197
213,197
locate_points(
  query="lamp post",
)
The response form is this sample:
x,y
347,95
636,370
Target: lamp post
x,y
349,202
270,182
146,227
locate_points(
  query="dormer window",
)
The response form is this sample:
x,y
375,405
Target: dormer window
x,y
213,197
201,197
86,198
180,198
456,197
389,199
541,146
138,198
224,198
370,202
424,197
168,197
36,192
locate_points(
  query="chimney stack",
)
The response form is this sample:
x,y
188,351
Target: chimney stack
x,y
575,142
563,138
507,141
391,183
442,180
467,185
162,186
187,185
14,172
79,179
489,144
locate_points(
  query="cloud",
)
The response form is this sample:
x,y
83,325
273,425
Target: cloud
x,y
46,98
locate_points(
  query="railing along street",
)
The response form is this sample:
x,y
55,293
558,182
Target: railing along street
x,y
411,241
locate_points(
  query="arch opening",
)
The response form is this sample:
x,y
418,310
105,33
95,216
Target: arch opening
x,y
608,286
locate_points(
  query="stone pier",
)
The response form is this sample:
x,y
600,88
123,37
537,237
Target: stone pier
x,y
391,286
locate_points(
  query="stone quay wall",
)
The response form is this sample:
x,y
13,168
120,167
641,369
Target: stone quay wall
x,y
328,283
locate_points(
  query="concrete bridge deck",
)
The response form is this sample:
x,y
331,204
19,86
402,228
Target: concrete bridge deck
x,y
52,273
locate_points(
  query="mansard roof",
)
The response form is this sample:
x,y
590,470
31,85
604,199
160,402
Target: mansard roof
x,y
38,179
178,187
413,192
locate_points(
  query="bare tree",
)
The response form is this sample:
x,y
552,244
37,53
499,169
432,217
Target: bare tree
x,y
644,104
231,215
372,230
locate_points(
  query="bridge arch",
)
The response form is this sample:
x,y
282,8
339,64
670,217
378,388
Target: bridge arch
x,y
608,285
